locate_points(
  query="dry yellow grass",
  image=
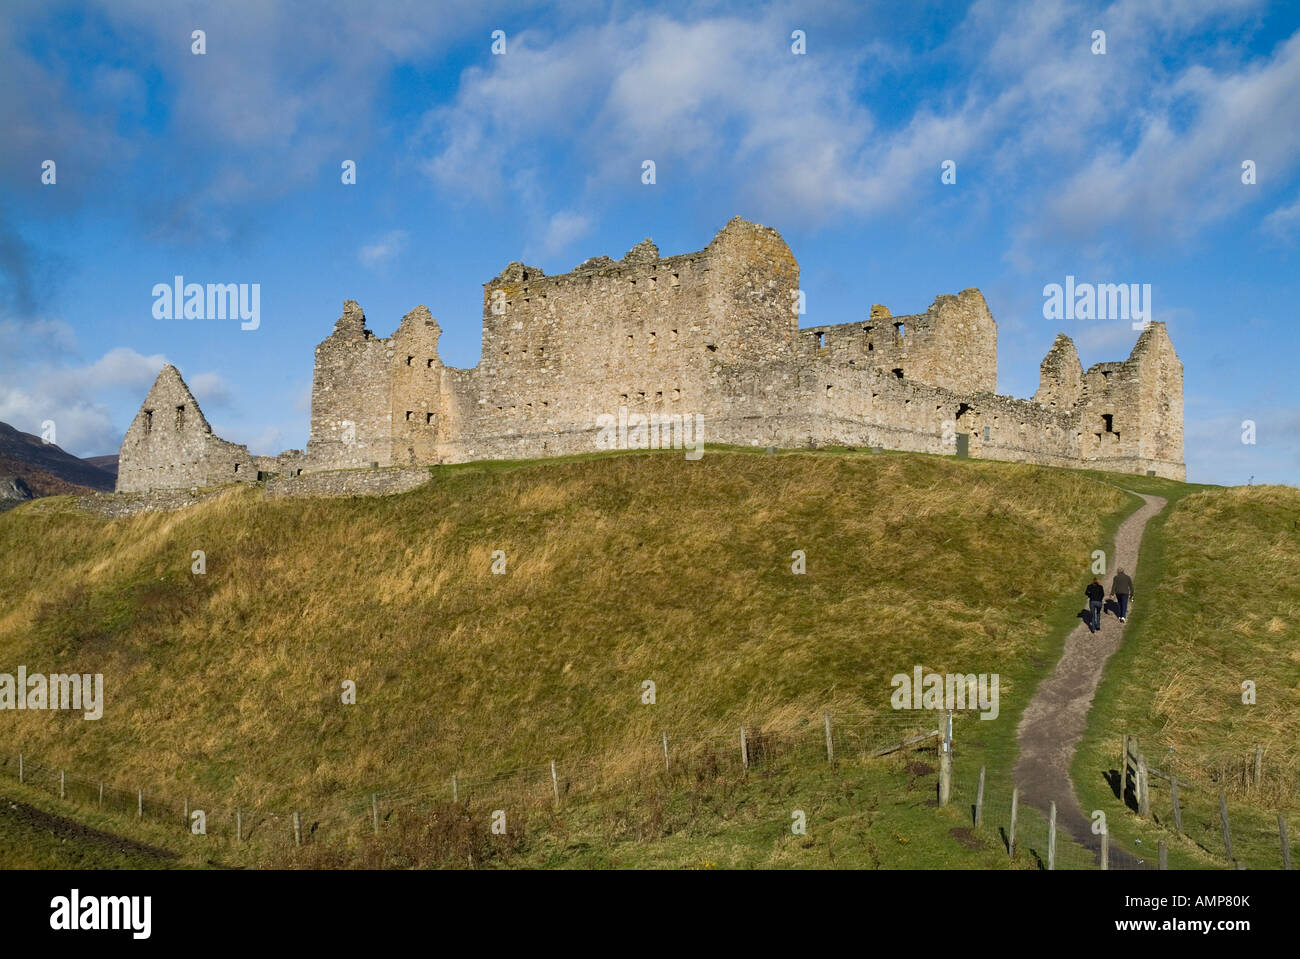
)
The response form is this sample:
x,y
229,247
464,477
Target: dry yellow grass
x,y
619,569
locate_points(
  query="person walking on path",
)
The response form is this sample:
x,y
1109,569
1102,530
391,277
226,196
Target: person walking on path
x,y
1122,589
1096,598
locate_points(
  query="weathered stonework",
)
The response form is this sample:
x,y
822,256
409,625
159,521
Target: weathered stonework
x,y
712,334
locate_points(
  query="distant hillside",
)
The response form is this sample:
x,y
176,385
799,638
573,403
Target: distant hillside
x,y
107,463
49,470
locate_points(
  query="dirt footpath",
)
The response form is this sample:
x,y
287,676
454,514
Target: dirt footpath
x,y
1055,718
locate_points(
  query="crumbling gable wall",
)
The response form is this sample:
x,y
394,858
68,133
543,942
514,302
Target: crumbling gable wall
x,y
416,400
169,444
351,396
1130,416
1060,376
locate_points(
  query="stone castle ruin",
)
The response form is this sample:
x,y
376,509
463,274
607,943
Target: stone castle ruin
x,y
712,335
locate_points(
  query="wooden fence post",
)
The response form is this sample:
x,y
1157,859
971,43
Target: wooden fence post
x,y
744,751
139,804
187,813
101,794
1286,847
1011,832
455,789
1178,809
667,767
62,793
1123,770
20,768
830,743
1144,786
1051,835
555,783
979,801
297,828
1162,855
239,824
945,762
1105,848
374,810
1223,818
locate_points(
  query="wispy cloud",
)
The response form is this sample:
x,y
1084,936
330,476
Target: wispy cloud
x,y
383,250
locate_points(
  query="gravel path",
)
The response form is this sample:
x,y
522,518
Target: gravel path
x,y
1054,721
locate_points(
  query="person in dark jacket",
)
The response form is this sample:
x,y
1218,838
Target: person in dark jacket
x,y
1122,589
1096,598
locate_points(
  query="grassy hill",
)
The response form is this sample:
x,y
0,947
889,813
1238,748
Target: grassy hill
x,y
619,569
1221,595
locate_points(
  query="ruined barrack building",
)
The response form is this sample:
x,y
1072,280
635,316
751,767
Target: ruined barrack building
x,y
713,334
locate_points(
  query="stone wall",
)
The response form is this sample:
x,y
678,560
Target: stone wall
x,y
169,444
712,334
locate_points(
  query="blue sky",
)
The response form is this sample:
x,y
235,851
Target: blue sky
x,y
225,168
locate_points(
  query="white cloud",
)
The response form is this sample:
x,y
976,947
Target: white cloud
x,y
564,228
381,251
121,367
1284,222
210,389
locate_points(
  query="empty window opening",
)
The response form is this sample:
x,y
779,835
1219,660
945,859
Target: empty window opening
x,y
180,417
829,389
629,340
672,336
898,371
652,338
986,434
428,418
623,398
429,364
659,396
871,346
148,421
410,413
821,340
712,347
236,467
641,397
409,359
900,331
962,410
1108,422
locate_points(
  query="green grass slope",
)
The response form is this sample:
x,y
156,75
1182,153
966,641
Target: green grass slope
x,y
619,569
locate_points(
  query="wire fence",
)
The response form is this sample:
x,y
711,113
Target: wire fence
x,y
443,819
